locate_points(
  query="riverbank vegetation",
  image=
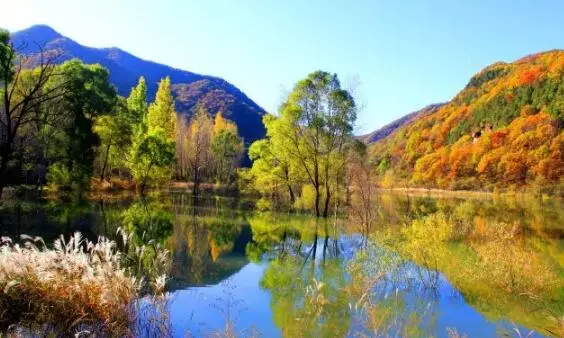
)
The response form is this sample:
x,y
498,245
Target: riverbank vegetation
x,y
65,129
75,286
67,132
493,258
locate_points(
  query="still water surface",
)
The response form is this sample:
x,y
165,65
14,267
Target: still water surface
x,y
425,266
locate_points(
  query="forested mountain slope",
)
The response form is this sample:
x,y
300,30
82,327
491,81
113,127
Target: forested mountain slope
x,y
191,90
504,129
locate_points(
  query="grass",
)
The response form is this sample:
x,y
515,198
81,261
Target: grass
x,y
75,286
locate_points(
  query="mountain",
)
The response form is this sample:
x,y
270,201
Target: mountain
x,y
386,130
505,129
191,90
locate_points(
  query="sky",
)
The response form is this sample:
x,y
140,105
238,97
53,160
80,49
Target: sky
x,y
396,56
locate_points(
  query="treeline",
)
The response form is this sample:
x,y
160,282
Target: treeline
x,y
61,125
152,144
309,159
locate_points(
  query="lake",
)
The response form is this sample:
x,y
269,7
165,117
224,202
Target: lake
x,y
423,266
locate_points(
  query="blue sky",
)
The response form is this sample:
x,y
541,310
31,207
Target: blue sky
x,y
404,54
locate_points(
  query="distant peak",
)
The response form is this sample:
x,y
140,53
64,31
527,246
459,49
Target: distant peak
x,y
39,33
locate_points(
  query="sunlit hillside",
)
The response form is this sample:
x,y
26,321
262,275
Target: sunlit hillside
x,y
505,128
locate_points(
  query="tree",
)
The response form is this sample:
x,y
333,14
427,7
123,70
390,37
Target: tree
x,y
161,112
315,130
23,92
137,104
89,95
154,132
272,169
360,180
227,149
194,154
115,131
152,157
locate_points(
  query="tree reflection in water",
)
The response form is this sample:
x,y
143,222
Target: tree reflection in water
x,y
424,265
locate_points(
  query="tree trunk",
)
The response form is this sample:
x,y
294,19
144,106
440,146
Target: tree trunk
x,y
196,189
42,170
144,180
327,199
142,187
316,181
3,170
292,196
317,214
105,162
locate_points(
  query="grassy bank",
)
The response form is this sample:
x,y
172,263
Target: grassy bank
x,y
75,286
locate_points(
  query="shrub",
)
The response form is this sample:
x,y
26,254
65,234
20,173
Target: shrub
x,y
75,286
264,204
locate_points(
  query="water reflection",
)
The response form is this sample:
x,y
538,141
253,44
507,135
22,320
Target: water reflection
x,y
504,257
425,266
208,245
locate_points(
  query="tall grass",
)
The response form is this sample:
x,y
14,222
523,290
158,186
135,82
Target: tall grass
x,y
75,286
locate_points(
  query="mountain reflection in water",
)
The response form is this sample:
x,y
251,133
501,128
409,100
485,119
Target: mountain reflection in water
x,y
426,266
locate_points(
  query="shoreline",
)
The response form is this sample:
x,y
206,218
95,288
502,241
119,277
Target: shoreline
x,y
463,193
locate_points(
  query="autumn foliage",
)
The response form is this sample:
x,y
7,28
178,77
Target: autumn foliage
x,y
504,129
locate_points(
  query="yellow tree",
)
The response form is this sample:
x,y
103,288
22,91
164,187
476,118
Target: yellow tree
x,y
194,150
221,123
227,148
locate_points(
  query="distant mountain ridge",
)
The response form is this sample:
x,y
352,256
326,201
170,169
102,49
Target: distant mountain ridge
x,y
389,128
191,90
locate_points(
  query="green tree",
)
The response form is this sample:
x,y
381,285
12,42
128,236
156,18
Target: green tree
x,y
273,171
153,137
227,148
89,96
137,103
161,112
315,131
115,132
7,56
152,159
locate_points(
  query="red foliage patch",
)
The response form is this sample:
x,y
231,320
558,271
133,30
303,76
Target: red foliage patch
x,y
529,76
498,138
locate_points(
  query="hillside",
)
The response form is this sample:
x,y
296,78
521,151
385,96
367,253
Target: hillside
x,y
389,128
504,129
191,90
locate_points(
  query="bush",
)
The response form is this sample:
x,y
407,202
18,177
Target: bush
x,y
264,204
467,183
59,178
